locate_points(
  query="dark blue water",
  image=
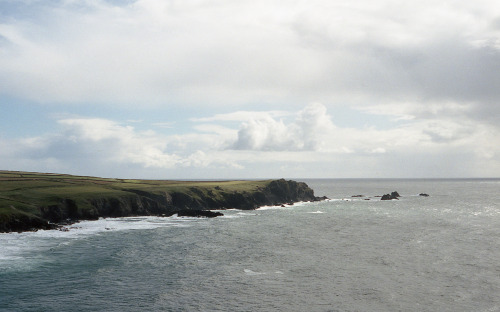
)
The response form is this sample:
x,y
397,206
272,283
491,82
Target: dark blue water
x,y
437,253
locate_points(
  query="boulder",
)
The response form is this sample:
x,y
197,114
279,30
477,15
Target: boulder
x,y
423,194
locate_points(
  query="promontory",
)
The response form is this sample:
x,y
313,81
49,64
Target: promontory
x,y
31,201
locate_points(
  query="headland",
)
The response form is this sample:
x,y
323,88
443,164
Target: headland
x,y
31,201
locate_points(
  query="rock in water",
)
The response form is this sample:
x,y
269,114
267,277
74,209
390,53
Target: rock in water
x,y
393,195
423,194
386,197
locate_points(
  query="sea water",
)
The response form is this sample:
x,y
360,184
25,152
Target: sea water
x,y
436,253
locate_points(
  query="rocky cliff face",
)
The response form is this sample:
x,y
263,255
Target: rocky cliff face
x,y
142,203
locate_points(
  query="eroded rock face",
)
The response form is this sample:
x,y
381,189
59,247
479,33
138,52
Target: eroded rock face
x,y
282,192
193,202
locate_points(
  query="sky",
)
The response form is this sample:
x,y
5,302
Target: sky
x,y
219,89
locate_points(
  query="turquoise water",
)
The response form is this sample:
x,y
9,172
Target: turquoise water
x,y
437,253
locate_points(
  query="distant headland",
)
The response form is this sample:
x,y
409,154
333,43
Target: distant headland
x,y
31,201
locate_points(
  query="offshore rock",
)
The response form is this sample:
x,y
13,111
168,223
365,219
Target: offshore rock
x,y
386,197
393,195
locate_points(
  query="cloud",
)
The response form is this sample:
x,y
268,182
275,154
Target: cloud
x,y
264,134
114,142
213,53
89,143
424,75
242,116
305,133
313,138
262,146
96,143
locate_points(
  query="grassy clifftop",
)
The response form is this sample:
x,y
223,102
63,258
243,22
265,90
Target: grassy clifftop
x,y
31,200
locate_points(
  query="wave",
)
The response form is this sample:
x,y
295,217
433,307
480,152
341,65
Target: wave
x,y
273,207
19,250
250,272
254,273
246,214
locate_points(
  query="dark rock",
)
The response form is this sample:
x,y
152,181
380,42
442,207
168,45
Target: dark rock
x,y
423,194
386,197
358,196
393,195
24,223
198,213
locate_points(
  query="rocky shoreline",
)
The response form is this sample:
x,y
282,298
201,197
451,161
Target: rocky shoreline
x,y
194,201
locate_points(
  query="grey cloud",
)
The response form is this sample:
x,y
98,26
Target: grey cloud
x,y
461,73
444,69
408,58
208,53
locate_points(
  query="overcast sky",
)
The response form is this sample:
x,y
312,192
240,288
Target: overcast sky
x,y
186,89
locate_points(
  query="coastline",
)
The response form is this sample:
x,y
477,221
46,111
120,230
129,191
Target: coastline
x,y
32,201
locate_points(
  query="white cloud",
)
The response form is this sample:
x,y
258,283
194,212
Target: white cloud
x,y
310,143
96,143
119,143
307,132
264,134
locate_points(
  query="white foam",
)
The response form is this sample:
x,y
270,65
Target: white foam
x,y
250,272
20,246
316,211
286,206
246,214
112,224
273,207
254,273
227,216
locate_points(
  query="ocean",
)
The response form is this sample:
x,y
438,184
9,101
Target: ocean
x,y
436,253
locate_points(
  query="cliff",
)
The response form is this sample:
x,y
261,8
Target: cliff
x,y
31,201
